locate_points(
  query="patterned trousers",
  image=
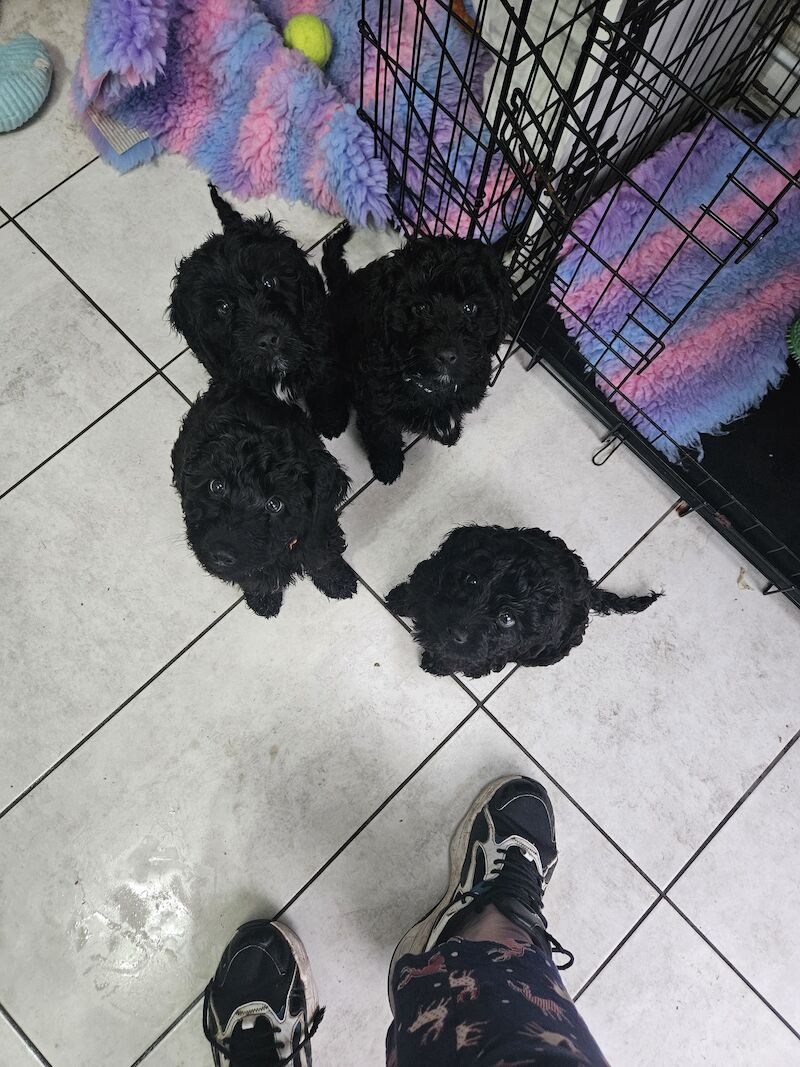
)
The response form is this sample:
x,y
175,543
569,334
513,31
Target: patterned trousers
x,y
487,1004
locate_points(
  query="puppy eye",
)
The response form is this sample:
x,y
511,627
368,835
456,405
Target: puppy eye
x,y
423,307
470,308
269,282
216,487
224,308
469,579
506,620
274,505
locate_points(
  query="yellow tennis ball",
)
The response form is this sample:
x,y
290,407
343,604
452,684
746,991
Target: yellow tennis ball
x,y
311,36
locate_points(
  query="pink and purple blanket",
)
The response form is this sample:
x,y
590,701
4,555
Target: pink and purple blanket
x,y
212,80
722,354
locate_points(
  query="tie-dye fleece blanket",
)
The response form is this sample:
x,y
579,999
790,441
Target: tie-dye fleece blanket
x,y
212,80
728,348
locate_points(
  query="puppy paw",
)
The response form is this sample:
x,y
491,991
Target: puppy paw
x,y
476,672
432,664
267,605
398,599
446,430
338,582
331,424
387,467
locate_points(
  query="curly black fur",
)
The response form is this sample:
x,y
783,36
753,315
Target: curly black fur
x,y
417,329
491,596
254,312
259,493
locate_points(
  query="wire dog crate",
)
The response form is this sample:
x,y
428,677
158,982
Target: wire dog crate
x,y
551,105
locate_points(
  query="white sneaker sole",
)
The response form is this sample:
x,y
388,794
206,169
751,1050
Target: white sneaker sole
x,y
303,967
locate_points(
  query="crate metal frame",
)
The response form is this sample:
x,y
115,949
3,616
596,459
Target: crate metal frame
x,y
578,93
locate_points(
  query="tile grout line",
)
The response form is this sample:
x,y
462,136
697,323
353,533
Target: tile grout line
x,y
593,822
80,433
58,185
331,860
90,300
95,729
662,894
735,807
618,947
172,359
168,1030
32,1048
638,542
113,714
384,804
735,969
158,373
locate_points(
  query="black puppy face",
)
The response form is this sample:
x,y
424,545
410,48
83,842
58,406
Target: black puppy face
x,y
247,501
248,302
482,603
447,309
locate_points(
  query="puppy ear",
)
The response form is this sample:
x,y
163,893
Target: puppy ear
x,y
228,215
178,305
329,483
178,462
500,281
459,539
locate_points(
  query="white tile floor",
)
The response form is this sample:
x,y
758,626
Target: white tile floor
x,y
173,765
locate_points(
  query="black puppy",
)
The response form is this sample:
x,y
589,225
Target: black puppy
x,y
491,596
259,493
418,329
254,312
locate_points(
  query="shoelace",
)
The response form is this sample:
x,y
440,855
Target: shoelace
x,y
264,1048
517,877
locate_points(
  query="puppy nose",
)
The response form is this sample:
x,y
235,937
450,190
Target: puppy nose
x,y
221,558
448,357
268,341
457,634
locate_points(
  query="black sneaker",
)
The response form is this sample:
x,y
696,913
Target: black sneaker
x,y
503,852
260,1008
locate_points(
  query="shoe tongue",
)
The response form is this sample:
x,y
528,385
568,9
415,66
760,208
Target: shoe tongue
x,y
252,1044
520,879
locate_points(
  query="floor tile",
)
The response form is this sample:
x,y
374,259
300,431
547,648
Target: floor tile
x,y
13,1050
185,1046
190,377
753,919
351,918
52,145
658,723
119,236
62,363
210,799
99,588
524,460
667,998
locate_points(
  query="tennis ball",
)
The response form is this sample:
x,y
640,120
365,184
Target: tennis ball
x,y
311,36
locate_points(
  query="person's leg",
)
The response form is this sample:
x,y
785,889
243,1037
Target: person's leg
x,y
260,1008
474,981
